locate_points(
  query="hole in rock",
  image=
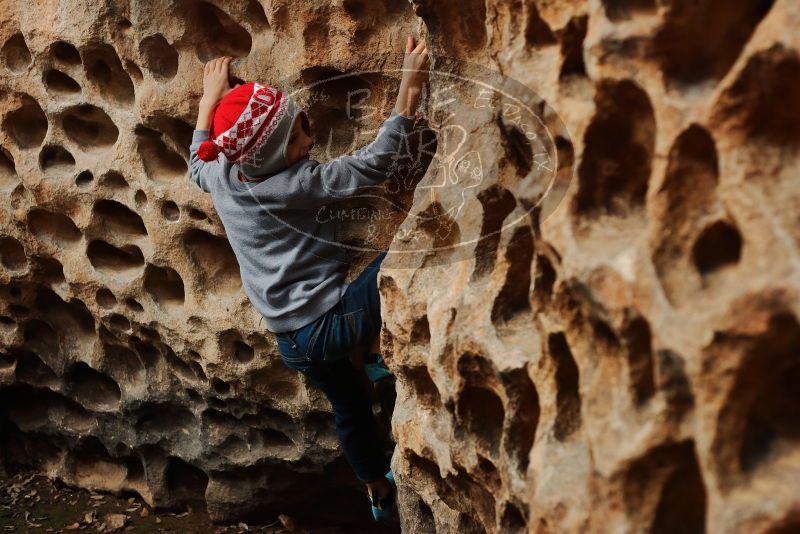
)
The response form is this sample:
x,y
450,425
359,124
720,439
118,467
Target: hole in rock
x,y
27,124
113,180
32,370
198,371
683,202
165,285
215,260
700,41
512,521
89,127
272,438
618,10
355,9
422,385
15,53
84,179
514,297
65,53
186,483
170,211
17,310
214,402
537,32
220,386
763,103
672,473
41,338
497,202
122,363
638,343
48,270
140,198
134,70
517,148
572,36
104,69
60,84
149,355
766,395
109,259
124,24
177,133
12,254
568,401
197,215
524,419
161,162
465,33
53,227
160,57
7,323
133,305
72,319
256,15
619,144
544,280
158,420
8,171
717,246
438,225
482,412
117,219
420,331
92,389
105,298
6,360
119,322
243,352
55,159
222,36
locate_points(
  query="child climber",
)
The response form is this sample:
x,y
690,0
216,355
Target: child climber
x,y
250,151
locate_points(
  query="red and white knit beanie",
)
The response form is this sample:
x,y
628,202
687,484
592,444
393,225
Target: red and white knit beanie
x,y
251,125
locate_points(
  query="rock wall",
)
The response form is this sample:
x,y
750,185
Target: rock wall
x,y
627,361
622,357
131,358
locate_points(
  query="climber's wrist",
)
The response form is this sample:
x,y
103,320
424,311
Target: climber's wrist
x,y
203,112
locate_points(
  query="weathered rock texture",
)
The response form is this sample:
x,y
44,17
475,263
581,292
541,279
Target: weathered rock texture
x,y
629,361
131,358
621,359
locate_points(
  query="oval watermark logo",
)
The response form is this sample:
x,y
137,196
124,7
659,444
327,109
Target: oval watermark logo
x,y
485,156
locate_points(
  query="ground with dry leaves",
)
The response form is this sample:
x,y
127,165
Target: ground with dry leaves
x,y
33,503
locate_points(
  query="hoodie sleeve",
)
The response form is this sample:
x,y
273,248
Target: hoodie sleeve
x,y
368,166
202,172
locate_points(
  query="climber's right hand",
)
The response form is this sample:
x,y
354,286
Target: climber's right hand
x,y
415,74
415,64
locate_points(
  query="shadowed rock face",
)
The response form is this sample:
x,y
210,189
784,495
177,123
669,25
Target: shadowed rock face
x,y
623,357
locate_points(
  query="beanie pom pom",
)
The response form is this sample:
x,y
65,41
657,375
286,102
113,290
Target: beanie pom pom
x,y
208,151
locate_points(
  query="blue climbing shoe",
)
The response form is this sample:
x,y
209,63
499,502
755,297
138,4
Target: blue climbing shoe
x,y
384,509
376,368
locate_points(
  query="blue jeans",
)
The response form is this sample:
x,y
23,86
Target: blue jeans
x,y
321,350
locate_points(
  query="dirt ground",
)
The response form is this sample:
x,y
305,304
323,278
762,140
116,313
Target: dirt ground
x,y
33,503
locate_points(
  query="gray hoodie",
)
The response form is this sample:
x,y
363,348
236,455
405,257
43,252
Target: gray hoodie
x,y
292,269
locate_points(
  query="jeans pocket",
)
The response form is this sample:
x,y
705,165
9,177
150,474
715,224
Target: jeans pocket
x,y
344,334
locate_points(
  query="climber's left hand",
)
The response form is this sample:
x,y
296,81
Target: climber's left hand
x,y
215,81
